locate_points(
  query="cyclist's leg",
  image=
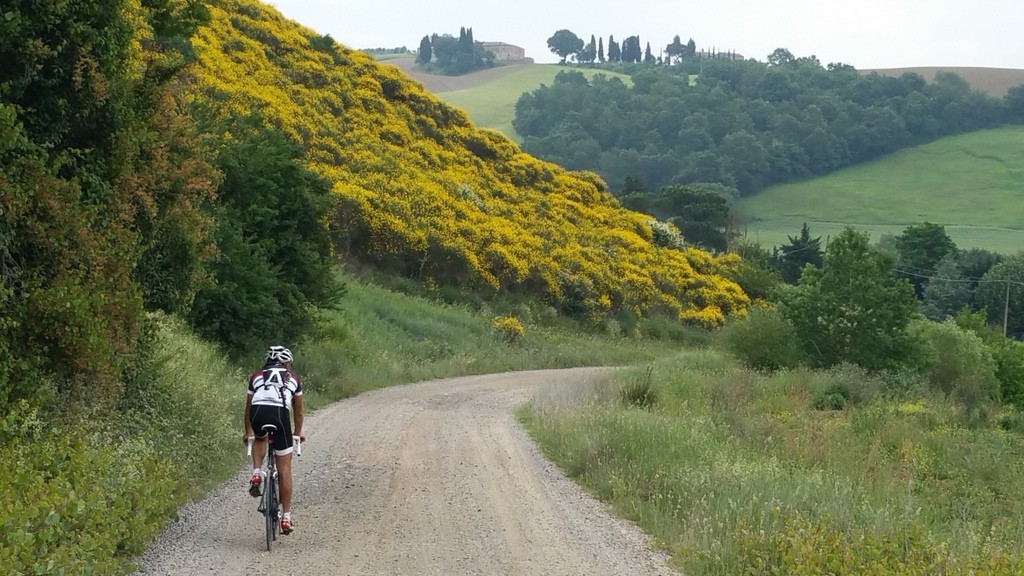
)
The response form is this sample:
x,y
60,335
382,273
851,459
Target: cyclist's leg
x,y
283,446
284,474
258,416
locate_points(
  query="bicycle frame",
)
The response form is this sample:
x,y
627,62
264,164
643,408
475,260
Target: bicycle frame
x,y
270,504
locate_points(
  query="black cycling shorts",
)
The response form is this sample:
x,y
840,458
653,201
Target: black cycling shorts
x,y
260,414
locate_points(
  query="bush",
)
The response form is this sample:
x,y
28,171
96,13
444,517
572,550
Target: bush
x,y
1009,357
764,340
87,498
639,392
508,329
957,363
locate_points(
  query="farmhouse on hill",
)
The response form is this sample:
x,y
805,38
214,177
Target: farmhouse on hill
x,y
505,51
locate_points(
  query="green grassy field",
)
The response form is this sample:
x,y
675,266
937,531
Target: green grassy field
x,y
973,184
492,104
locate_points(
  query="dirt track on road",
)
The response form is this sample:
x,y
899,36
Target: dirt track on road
x,y
430,478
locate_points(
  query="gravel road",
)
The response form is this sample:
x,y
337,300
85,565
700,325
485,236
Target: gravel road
x,y
429,478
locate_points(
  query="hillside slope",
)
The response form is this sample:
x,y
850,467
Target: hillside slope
x,y
424,193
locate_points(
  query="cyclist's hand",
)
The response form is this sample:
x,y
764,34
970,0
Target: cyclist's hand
x,y
246,438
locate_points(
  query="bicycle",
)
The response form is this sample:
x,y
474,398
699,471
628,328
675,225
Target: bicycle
x,y
270,504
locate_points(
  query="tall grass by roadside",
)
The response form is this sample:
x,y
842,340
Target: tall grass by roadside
x,y
738,472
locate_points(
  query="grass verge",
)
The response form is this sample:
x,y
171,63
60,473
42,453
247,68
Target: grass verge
x,y
736,472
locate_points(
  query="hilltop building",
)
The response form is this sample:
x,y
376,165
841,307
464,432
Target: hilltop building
x,y
505,51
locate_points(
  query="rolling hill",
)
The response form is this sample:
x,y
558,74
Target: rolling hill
x,y
423,193
968,183
973,184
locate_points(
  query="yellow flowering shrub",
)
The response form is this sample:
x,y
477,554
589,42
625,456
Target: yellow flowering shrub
x,y
507,329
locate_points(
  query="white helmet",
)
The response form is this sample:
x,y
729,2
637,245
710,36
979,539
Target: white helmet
x,y
279,354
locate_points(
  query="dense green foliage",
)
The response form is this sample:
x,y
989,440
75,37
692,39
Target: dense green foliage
x,y
801,251
921,248
744,124
701,212
1000,293
274,264
90,170
852,309
565,43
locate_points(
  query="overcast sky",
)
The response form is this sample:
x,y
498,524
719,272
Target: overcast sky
x,y
863,33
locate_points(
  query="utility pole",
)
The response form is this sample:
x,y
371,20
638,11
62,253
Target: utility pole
x,y
1006,308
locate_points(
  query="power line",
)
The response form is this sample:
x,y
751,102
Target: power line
x,y
962,280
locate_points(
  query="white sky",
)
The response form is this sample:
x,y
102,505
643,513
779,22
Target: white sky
x,y
863,33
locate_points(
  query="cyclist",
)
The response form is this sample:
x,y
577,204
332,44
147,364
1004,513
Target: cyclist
x,y
274,395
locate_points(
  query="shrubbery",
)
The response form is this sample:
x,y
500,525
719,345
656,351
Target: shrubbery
x,y
93,486
85,497
764,340
957,363
507,329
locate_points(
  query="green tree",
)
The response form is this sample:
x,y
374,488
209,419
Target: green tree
x,y
947,292
600,50
700,211
275,261
648,55
564,44
921,247
781,57
444,48
74,108
747,160
631,50
424,55
1000,293
974,263
756,273
1014,101
801,251
614,52
589,52
853,309
676,50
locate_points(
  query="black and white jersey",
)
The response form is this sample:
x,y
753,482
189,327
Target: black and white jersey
x,y
274,385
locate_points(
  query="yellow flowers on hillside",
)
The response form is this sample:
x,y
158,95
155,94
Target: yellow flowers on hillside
x,y
426,194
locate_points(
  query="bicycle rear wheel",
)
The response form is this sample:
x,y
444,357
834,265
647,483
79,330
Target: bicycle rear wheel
x,y
270,507
277,504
